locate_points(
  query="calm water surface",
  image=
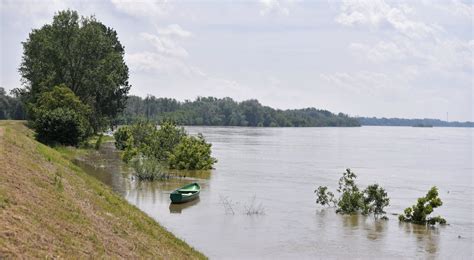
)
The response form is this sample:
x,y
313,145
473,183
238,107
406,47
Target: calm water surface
x,y
276,171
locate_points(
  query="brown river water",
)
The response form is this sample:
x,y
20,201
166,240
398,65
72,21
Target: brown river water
x,y
276,170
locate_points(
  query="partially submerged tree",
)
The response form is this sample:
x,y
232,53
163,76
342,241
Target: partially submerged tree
x,y
351,199
83,54
372,200
419,213
192,153
325,197
168,145
375,200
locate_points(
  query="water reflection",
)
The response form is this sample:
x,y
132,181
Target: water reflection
x,y
375,229
427,237
178,208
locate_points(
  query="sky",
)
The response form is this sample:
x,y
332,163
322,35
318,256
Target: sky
x,y
411,59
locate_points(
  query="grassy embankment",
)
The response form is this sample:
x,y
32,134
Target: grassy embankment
x,y
50,208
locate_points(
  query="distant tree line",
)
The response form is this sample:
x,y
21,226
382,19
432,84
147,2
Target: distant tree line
x,y
410,122
11,107
227,112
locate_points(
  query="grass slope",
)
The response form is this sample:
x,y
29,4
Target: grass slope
x,y
51,208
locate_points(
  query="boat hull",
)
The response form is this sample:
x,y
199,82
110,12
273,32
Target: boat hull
x,y
186,193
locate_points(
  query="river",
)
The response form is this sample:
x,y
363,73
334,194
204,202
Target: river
x,y
275,171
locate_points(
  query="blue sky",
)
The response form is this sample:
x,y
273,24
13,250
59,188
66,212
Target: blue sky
x,y
410,59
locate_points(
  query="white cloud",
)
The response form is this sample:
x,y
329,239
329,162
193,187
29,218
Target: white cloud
x,y
174,30
455,7
382,51
361,81
156,62
34,12
167,55
274,7
142,8
164,45
377,13
426,49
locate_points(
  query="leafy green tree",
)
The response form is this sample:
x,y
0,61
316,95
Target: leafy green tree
x,y
165,139
11,106
59,126
4,104
372,200
192,153
375,200
83,54
324,197
351,199
419,213
60,117
121,136
169,145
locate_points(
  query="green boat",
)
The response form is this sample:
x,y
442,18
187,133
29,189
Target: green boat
x,y
186,193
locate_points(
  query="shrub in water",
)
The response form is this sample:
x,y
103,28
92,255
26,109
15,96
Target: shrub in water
x,y
419,213
372,200
148,169
169,145
324,197
121,137
375,200
191,153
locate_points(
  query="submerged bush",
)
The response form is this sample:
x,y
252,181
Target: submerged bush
x,y
325,197
372,200
191,153
121,136
419,213
148,169
375,200
351,200
168,145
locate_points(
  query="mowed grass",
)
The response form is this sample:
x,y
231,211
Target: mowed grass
x,y
50,208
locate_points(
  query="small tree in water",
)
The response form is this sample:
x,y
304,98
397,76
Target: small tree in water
x,y
351,200
324,197
372,200
375,200
419,213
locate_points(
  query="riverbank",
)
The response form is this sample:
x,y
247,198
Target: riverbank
x,y
50,208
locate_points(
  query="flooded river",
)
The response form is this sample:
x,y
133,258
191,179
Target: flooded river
x,y
276,170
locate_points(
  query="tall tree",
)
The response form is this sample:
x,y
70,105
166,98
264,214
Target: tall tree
x,y
83,54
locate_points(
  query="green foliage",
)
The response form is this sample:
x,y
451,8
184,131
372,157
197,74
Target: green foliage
x,y
121,136
191,153
324,197
165,139
419,213
372,200
60,117
375,200
99,141
169,145
83,54
148,169
60,125
351,200
227,112
11,106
